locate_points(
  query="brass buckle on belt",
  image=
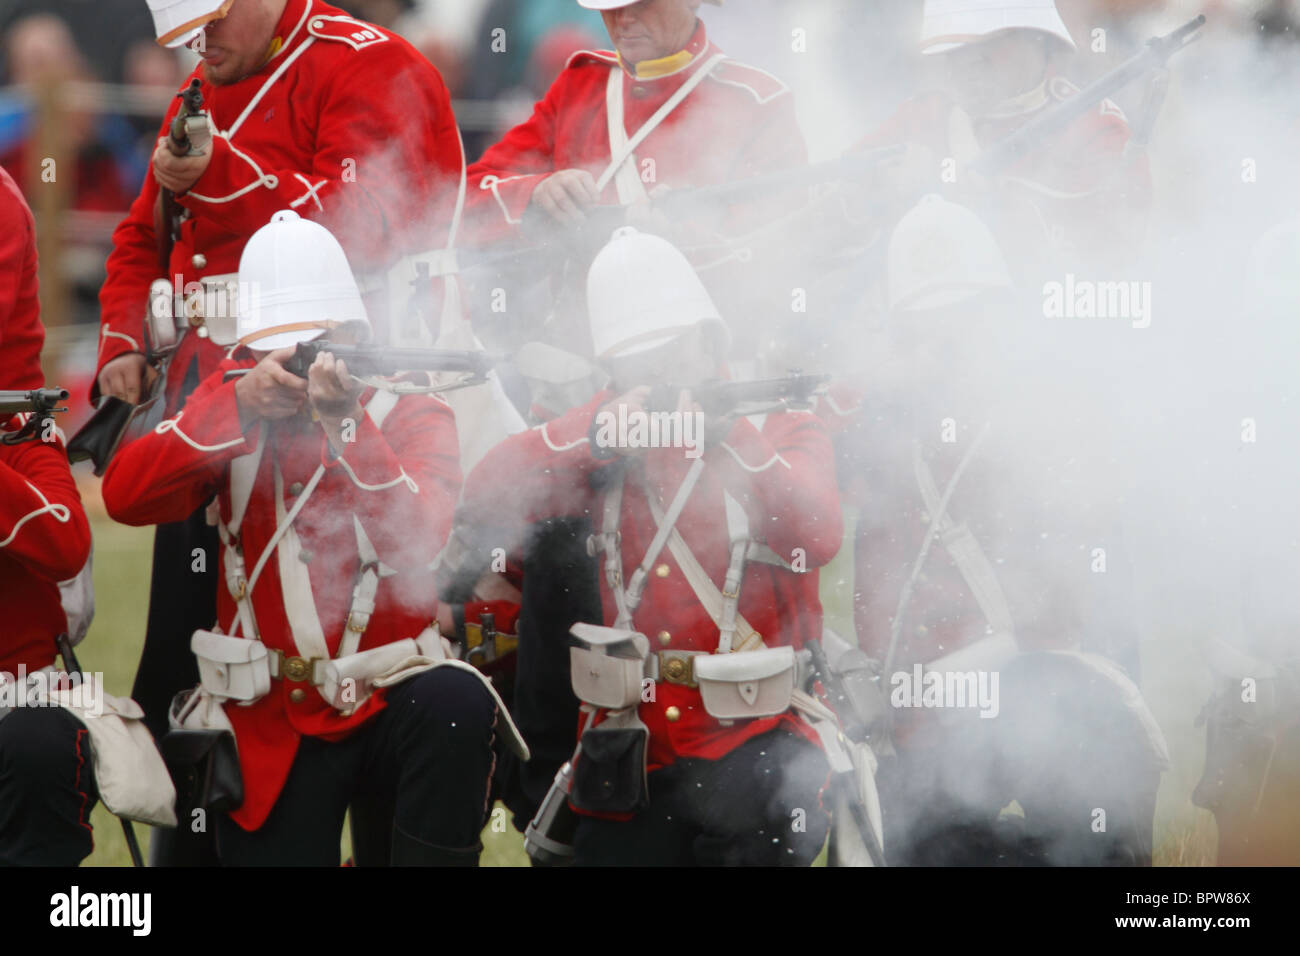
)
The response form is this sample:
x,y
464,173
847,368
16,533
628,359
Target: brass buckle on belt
x,y
296,669
676,669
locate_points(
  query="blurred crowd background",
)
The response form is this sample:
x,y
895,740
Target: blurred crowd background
x,y
82,84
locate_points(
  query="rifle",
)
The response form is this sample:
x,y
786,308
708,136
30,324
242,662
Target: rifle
x,y
854,730
382,360
178,142
41,402
682,204
716,398
1038,131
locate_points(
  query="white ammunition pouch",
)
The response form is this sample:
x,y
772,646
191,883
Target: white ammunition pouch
x,y
747,684
607,666
232,668
130,774
212,310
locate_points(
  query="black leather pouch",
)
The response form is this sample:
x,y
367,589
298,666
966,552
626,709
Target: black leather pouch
x,y
610,773
205,768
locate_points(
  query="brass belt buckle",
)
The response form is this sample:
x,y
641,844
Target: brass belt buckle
x,y
296,669
676,668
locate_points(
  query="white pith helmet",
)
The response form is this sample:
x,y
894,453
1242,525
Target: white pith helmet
x,y
177,22
643,293
949,24
619,4
295,284
940,254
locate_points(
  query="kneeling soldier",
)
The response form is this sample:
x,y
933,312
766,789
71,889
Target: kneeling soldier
x,y
691,752
332,500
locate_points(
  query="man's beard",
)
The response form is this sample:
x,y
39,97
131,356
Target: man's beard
x,y
223,77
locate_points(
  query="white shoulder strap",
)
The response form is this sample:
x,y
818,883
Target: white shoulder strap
x,y
967,553
621,147
740,635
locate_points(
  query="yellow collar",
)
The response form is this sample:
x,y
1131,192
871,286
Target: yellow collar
x,y
653,69
272,50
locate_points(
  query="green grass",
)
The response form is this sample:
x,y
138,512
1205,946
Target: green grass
x,y
1185,835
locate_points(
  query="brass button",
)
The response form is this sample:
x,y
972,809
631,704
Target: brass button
x,y
675,670
640,92
200,261
662,571
295,489
673,715
665,638
297,695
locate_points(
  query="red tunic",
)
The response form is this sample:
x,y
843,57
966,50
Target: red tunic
x,y
357,134
44,539
784,478
21,332
401,481
739,123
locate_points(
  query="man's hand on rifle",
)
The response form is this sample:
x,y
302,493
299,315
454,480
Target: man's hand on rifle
x,y
334,396
125,377
178,173
269,391
564,195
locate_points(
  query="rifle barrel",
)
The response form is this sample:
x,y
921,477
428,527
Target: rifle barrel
x,y
1157,52
378,360
34,400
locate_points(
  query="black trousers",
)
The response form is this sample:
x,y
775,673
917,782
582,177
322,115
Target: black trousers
x,y
47,788
560,588
760,805
427,758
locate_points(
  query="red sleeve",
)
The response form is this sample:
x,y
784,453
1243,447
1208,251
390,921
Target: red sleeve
x,y
542,473
789,468
131,267
21,332
501,183
399,485
365,196
42,523
166,474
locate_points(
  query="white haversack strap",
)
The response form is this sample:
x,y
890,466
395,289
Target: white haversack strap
x,y
363,595
636,586
243,474
623,151
966,552
611,541
295,579
744,638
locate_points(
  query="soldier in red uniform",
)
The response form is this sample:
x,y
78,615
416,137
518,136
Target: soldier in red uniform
x,y
723,786
47,783
980,552
1081,197
676,113
329,522
47,786
21,332
309,110
665,109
